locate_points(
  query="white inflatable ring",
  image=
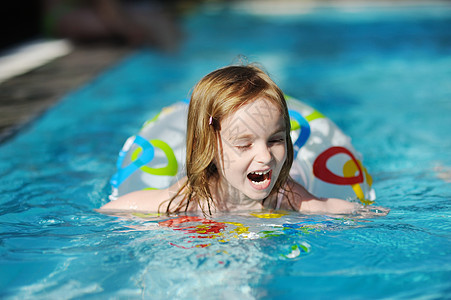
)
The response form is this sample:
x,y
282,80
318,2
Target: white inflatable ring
x,y
325,162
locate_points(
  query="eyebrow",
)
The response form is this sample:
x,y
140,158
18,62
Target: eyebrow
x,y
281,128
243,137
246,137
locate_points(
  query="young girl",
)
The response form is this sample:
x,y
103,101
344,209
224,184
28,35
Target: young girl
x,y
238,153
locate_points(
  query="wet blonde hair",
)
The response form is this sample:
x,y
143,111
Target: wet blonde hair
x,y
216,96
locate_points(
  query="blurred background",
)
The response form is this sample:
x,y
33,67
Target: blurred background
x,y
132,22
93,34
90,34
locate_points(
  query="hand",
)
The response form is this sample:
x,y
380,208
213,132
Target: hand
x,y
372,211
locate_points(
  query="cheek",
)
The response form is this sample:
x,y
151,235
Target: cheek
x,y
280,153
226,159
232,154
228,163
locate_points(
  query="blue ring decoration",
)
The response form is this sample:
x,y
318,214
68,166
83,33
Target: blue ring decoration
x,y
148,153
303,135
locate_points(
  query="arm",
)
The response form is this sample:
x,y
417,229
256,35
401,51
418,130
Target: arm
x,y
145,200
308,203
329,205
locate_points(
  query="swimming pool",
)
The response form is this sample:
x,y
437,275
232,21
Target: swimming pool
x,y
383,75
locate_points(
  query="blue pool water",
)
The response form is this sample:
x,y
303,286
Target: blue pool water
x,y
383,75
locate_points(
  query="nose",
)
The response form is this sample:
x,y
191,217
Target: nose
x,y
263,154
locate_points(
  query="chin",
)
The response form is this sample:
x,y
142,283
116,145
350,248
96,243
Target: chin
x,y
258,196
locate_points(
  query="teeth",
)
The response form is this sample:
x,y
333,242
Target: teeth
x,y
260,182
261,173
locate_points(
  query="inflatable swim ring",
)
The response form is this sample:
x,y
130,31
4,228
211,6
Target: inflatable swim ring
x,y
325,162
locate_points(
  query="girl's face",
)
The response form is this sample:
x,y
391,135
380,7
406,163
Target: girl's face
x,y
254,149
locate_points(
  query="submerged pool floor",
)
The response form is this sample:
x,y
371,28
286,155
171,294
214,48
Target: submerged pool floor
x,y
382,75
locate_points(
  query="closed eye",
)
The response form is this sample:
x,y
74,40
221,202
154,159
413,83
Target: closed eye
x,y
243,147
277,141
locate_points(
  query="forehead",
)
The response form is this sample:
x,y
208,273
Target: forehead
x,y
256,118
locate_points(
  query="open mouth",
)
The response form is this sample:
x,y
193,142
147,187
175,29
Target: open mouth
x,y
260,180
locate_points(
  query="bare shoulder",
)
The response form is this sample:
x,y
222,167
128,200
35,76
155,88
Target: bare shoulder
x,y
144,200
304,201
296,194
